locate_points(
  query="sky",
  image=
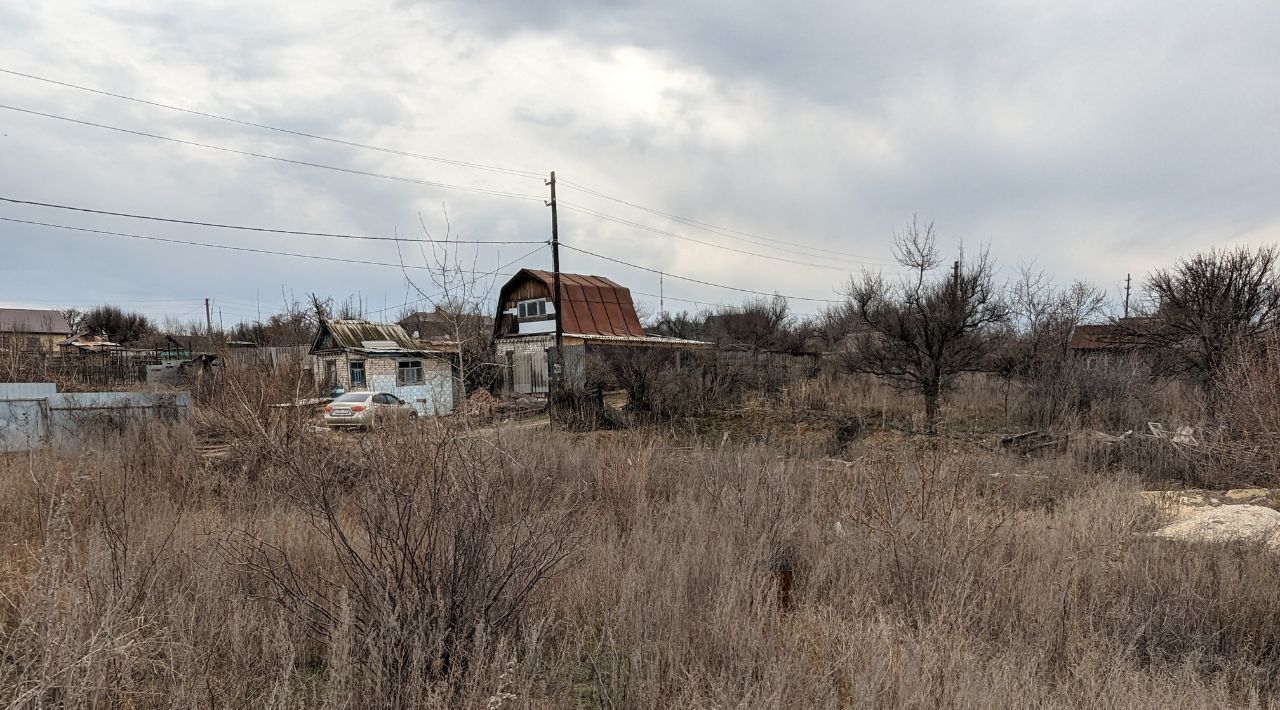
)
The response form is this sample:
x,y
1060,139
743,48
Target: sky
x,y
788,142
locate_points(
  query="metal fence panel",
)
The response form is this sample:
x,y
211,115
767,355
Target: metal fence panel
x,y
27,390
23,424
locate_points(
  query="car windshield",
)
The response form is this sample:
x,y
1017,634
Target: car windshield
x,y
353,397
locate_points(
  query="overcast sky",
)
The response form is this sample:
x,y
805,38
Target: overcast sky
x,y
1092,138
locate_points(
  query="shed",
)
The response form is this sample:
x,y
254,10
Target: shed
x,y
363,355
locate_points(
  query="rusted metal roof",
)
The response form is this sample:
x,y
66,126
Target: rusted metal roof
x,y
589,305
31,320
369,337
1107,336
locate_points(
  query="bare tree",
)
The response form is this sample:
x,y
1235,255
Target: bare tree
x,y
758,324
116,324
1204,305
461,301
74,317
930,326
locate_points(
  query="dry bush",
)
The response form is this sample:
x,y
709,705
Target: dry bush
x,y
433,542
663,384
423,567
1247,440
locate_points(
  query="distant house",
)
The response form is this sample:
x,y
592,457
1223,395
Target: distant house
x,y
363,355
595,313
427,325
86,344
32,329
1096,341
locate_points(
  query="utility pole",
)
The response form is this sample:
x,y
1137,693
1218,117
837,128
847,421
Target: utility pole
x,y
662,304
555,271
1127,281
955,272
208,321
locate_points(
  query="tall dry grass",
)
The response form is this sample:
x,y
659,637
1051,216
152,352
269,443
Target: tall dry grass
x,y
434,567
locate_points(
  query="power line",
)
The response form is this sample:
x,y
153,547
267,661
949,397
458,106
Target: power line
x,y
229,247
480,275
262,229
712,304
339,141
600,215
722,231
698,281
291,161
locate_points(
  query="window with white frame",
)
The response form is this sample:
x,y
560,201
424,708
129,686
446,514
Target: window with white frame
x,y
532,309
409,372
357,373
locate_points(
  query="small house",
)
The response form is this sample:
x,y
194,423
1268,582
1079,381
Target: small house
x,y
86,344
596,313
1094,342
32,329
362,355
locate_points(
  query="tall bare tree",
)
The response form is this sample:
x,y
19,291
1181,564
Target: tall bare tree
x,y
932,324
1204,305
461,295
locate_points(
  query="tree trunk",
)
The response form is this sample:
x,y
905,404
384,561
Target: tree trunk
x,y
932,409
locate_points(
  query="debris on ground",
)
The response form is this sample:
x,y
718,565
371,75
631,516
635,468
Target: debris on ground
x,y
1030,442
1226,523
1103,437
1219,516
1182,436
481,403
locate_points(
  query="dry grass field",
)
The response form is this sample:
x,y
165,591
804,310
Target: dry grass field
x,y
804,550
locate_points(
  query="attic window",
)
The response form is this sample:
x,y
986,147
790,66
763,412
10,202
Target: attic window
x,y
532,309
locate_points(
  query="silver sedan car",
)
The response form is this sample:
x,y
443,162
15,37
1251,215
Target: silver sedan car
x,y
367,409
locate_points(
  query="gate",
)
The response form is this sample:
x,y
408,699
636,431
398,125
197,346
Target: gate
x,y
529,372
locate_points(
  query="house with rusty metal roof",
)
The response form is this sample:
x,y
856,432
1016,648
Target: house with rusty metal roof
x,y
359,355
1107,338
32,329
595,312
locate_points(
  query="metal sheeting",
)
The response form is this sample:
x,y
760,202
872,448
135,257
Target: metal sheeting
x,y
25,390
23,424
65,420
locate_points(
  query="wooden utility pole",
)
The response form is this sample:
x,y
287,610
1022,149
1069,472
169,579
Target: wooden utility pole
x,y
662,302
555,278
208,321
1127,281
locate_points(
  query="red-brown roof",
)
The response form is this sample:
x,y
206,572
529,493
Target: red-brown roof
x,y
1106,336
589,305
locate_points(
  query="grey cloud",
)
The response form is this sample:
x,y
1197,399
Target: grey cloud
x,y
1095,139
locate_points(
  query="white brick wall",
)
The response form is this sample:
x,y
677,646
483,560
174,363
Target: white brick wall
x,y
432,397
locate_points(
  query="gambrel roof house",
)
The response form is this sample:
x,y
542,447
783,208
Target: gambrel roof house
x,y
591,306
596,312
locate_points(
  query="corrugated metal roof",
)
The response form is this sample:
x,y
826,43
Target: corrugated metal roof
x,y
31,320
352,334
589,305
370,337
